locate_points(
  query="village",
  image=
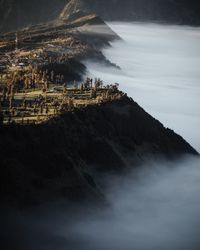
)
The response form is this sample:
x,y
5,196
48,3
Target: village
x,y
35,106
37,79
30,95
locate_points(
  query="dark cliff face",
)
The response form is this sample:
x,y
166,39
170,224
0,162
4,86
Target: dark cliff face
x,y
63,158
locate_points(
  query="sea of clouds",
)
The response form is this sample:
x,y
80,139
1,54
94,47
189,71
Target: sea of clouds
x,y
160,70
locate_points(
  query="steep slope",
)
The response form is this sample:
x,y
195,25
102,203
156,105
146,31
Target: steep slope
x,y
63,158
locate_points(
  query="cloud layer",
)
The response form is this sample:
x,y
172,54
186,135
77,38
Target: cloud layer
x,y
160,70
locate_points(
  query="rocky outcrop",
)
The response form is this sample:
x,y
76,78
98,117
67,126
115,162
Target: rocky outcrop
x,y
63,158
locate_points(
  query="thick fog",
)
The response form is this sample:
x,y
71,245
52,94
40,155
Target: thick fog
x,y
160,70
159,206
156,208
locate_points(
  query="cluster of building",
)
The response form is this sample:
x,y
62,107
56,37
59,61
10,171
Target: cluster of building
x,y
33,92
39,106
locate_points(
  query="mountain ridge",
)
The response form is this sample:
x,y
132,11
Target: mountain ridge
x,y
15,14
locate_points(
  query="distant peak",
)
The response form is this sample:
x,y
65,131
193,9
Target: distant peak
x,y
72,7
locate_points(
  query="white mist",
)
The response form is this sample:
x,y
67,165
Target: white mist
x,y
160,70
160,207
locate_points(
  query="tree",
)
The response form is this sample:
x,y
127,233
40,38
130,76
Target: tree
x,y
1,114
